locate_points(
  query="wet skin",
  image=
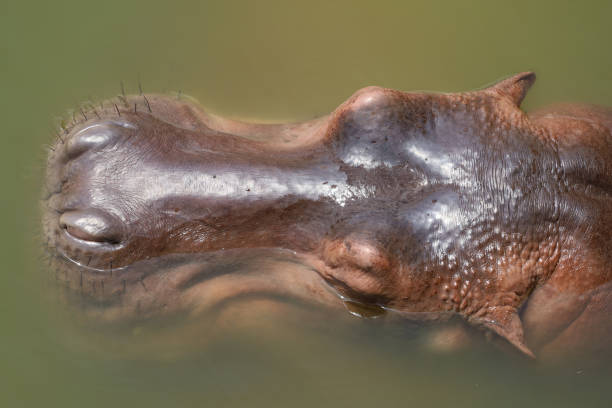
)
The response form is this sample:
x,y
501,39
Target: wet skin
x,y
430,205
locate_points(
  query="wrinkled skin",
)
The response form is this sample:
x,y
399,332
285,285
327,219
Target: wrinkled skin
x,y
430,205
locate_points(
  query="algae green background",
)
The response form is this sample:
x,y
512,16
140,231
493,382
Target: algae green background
x,y
271,60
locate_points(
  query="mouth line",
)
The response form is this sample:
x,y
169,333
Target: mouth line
x,y
110,269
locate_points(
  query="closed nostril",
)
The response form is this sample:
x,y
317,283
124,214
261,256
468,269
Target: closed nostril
x,y
96,135
92,226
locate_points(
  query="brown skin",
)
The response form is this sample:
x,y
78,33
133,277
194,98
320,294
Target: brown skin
x,y
430,205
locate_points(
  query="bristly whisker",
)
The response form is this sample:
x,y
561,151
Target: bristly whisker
x,y
123,99
147,103
141,281
59,136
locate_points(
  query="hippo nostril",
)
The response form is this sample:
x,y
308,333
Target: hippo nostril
x,y
96,135
92,226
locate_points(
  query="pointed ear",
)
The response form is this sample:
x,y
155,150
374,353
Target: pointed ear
x,y
515,87
505,322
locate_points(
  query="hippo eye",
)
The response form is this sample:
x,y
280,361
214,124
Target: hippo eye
x,y
91,226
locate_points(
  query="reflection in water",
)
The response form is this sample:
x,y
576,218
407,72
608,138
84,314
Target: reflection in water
x,y
258,349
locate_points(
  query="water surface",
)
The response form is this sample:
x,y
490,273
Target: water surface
x,y
269,61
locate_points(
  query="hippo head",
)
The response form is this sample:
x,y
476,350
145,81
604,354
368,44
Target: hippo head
x,y
420,203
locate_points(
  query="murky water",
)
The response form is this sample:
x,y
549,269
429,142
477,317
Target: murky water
x,y
269,61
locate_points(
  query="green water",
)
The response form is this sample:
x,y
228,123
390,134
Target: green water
x,y
270,61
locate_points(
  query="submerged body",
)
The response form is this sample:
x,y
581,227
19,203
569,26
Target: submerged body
x,y
427,204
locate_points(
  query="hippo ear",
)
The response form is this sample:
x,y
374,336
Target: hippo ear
x,y
505,322
515,87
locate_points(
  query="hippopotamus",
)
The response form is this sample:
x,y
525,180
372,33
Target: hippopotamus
x,y
428,205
